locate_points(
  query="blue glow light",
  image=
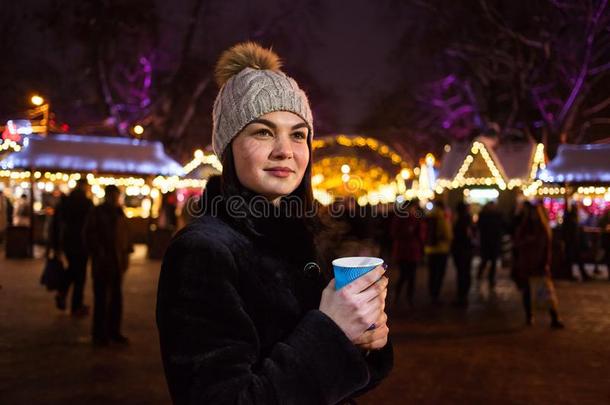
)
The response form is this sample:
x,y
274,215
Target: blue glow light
x,y
579,163
99,154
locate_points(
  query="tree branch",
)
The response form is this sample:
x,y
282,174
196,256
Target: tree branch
x,y
190,111
597,108
518,36
106,92
585,64
599,69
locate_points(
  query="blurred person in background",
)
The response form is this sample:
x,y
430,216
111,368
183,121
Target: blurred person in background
x,y
22,212
438,244
408,233
4,219
462,248
532,264
574,242
604,224
108,243
167,214
491,229
66,239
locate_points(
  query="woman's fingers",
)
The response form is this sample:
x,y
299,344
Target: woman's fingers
x,y
381,329
368,314
374,345
364,282
375,290
374,335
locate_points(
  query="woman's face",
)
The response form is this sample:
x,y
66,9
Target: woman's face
x,y
271,154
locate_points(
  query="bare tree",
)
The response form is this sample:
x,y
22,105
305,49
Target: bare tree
x,y
174,111
119,40
174,100
539,67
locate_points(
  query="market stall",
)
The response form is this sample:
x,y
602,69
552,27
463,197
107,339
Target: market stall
x,y
579,177
486,169
44,168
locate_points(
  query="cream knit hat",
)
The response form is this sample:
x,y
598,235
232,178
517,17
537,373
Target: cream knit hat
x,y
252,84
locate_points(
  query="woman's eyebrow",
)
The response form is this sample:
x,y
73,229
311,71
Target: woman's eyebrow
x,y
273,126
264,122
300,125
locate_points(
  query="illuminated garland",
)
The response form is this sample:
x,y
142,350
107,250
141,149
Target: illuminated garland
x,y
369,184
376,184
592,190
168,184
529,186
551,191
531,189
539,161
201,158
360,142
9,144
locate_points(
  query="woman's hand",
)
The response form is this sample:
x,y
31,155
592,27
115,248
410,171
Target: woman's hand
x,y
355,307
377,338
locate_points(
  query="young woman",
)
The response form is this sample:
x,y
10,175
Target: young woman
x,y
244,314
532,261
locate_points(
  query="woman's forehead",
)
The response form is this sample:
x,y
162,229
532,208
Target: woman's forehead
x,y
282,118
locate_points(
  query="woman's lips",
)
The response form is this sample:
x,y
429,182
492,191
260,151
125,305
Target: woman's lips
x,y
279,172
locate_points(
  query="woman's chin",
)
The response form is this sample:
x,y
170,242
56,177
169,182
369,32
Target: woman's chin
x,y
279,187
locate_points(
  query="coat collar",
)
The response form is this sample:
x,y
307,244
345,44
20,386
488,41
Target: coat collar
x,y
266,220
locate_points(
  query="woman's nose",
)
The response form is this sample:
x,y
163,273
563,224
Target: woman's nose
x,y
282,149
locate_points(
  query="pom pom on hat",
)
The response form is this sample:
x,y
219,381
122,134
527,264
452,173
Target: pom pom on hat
x,y
244,55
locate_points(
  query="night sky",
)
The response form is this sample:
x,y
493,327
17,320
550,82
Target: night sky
x,y
369,67
352,61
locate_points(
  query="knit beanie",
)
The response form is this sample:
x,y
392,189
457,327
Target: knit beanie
x,y
251,85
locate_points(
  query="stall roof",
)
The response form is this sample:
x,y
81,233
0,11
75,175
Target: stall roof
x,y
579,164
98,154
513,159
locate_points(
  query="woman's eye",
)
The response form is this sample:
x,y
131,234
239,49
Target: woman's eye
x,y
300,135
263,132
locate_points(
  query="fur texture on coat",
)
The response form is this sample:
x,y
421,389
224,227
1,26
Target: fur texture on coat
x,y
238,319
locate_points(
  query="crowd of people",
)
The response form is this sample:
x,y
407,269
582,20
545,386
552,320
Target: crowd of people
x,y
79,232
521,242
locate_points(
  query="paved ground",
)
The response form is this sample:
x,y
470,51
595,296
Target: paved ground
x,y
443,355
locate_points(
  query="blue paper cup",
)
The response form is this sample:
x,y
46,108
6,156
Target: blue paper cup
x,y
347,269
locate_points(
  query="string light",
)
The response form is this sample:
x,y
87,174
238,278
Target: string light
x,y
357,176
497,177
359,141
348,175
370,184
9,144
138,129
539,161
201,158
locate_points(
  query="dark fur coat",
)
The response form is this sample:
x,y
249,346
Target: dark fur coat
x,y
238,319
